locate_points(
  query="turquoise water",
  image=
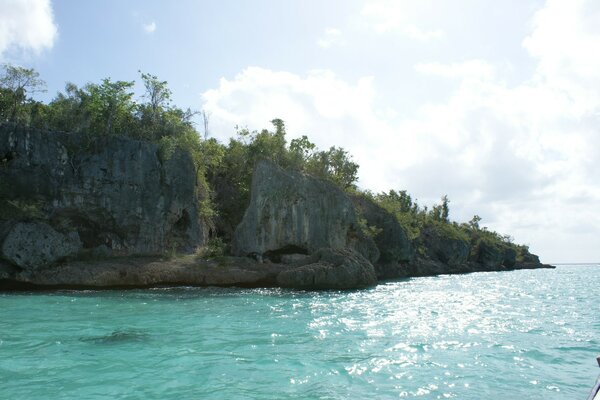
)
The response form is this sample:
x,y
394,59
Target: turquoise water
x,y
522,334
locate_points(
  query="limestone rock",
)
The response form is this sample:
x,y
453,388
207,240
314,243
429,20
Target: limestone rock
x,y
36,245
330,269
488,255
291,212
147,272
115,192
452,251
395,248
292,258
510,257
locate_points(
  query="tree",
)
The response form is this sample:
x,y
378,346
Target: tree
x,y
334,164
110,105
151,114
445,209
205,119
301,150
474,222
68,112
16,83
157,93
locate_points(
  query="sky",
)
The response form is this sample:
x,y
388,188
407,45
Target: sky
x,y
493,103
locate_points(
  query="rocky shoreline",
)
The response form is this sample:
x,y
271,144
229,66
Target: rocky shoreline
x,y
151,272
88,215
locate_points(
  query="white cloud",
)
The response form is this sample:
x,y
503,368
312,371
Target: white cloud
x,y
26,25
478,69
526,156
317,102
149,27
331,37
399,16
565,40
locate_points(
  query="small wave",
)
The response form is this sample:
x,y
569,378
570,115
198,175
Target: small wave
x,y
117,337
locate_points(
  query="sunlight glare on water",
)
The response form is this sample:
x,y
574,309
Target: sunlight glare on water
x,y
523,334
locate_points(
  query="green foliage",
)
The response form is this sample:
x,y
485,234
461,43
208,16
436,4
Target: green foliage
x,y
16,83
523,253
300,151
369,230
448,230
108,108
215,247
408,213
230,168
21,209
335,165
474,222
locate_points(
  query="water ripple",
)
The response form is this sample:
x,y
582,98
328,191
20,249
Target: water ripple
x,y
522,334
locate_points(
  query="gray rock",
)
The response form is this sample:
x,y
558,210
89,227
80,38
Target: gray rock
x,y
151,271
510,257
393,243
529,258
449,250
36,245
292,258
494,256
115,192
330,269
7,271
291,212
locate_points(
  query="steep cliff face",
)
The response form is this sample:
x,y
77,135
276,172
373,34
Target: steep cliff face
x,y
115,194
394,246
290,212
447,249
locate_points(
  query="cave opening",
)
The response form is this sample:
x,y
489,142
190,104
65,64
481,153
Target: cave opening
x,y
275,255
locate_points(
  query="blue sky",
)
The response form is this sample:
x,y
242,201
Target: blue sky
x,y
496,104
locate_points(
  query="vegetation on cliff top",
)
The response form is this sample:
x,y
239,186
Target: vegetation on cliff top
x,y
223,171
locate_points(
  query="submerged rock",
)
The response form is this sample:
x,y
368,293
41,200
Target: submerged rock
x,y
291,212
330,269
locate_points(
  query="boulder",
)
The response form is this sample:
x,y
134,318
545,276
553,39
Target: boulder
x,y
35,245
291,212
330,269
115,192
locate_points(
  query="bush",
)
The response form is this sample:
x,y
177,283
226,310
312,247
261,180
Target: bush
x,y
215,247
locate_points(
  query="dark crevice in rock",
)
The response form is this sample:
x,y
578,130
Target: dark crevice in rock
x,y
276,255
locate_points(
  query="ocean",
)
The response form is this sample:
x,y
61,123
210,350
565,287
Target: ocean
x,y
531,334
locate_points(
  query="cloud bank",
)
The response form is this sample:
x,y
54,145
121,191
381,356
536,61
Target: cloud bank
x,y
526,156
26,25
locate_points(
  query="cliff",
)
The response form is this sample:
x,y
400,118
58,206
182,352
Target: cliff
x,y
80,211
69,195
292,212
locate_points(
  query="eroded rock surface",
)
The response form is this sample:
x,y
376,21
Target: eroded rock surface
x,y
117,194
449,250
36,245
395,248
296,213
330,269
